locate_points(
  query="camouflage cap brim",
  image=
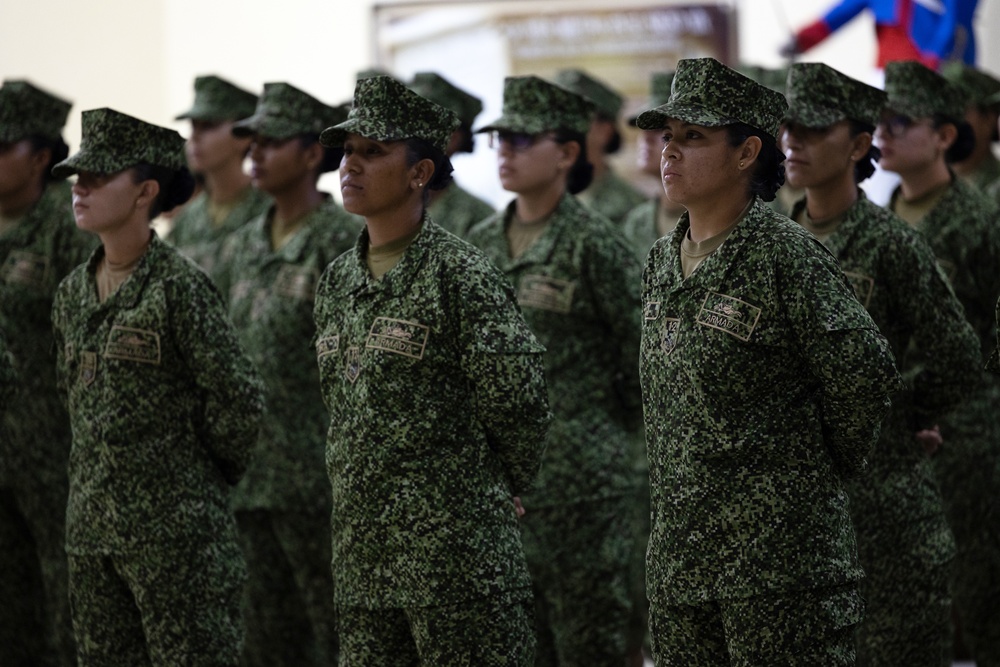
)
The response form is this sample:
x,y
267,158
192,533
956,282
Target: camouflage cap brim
x,y
813,115
207,113
335,136
516,123
656,119
96,163
267,126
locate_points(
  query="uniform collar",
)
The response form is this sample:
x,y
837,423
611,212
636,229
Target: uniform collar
x,y
33,222
566,214
130,293
838,242
293,251
398,279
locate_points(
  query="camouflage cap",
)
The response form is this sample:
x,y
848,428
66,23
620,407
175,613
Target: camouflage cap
x,y
441,91
978,86
283,111
533,105
819,96
706,92
920,92
26,110
216,99
386,110
607,101
659,91
113,141
773,78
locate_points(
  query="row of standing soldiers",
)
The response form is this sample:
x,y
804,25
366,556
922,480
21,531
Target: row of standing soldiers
x,y
925,524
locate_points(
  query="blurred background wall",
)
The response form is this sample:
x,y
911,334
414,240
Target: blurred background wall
x,y
141,57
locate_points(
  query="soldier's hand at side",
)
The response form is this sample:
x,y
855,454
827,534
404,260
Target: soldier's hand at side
x,y
930,439
518,507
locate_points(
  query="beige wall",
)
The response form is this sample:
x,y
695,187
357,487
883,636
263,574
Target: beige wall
x,y
140,56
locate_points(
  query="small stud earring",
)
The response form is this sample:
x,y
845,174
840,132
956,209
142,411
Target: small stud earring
x,y
741,164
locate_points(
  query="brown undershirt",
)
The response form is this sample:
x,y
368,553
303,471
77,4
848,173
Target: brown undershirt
x,y
693,254
914,210
382,258
821,229
522,234
110,276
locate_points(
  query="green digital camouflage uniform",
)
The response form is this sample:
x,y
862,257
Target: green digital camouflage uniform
x,y
964,234
993,363
438,413
578,287
35,255
283,504
639,228
454,208
611,195
194,232
905,545
165,407
764,385
980,90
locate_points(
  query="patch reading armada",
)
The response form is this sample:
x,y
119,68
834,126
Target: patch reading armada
x,y
727,313
133,345
398,336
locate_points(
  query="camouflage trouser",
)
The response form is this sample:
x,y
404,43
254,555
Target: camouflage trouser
x,y
579,556
492,632
169,605
288,606
802,629
969,478
35,625
907,595
638,625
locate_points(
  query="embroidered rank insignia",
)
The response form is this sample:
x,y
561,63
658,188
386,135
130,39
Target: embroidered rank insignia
x,y
88,367
546,293
863,286
352,364
671,329
399,337
133,345
727,313
69,352
327,346
651,311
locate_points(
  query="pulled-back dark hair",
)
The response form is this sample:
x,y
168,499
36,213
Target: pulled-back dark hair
x,y
615,143
58,152
331,156
176,185
468,142
420,149
582,172
965,141
769,172
864,167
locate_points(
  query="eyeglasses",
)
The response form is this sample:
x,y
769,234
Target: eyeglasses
x,y
517,141
898,125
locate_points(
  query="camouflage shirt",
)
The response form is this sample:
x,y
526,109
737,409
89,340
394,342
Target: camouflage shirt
x,y
438,411
270,298
986,174
34,256
993,364
640,228
197,236
578,287
612,197
764,383
457,210
896,278
164,405
8,380
963,230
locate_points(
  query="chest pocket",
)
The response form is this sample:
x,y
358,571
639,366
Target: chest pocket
x,y
296,282
546,293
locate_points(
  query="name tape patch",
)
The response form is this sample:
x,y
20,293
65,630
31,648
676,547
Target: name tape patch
x,y
546,293
327,345
25,268
399,337
131,344
863,286
727,313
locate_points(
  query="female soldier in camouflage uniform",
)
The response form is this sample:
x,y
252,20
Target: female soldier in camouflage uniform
x,y
577,282
271,269
764,385
437,409
228,200
39,245
164,407
921,132
455,209
904,543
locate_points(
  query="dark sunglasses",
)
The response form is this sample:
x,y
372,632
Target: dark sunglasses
x,y
517,141
897,125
